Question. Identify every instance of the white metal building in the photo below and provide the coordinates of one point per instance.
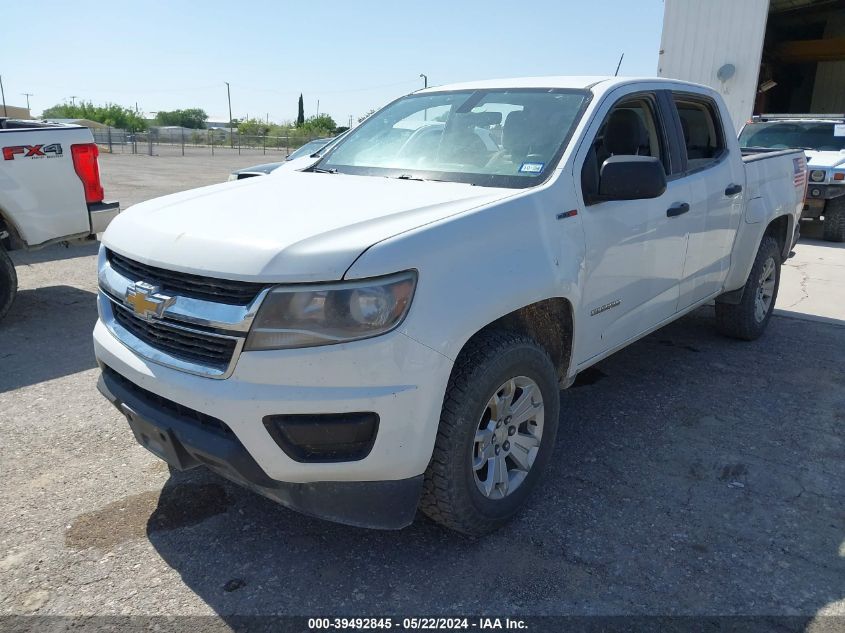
(784, 56)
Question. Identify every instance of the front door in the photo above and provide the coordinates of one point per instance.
(635, 248)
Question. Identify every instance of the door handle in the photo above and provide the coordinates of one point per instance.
(732, 190)
(677, 209)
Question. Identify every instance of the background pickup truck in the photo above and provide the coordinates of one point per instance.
(50, 192)
(392, 332)
(822, 137)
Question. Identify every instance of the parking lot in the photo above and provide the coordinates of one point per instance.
(693, 475)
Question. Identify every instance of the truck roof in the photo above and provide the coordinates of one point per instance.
(815, 118)
(578, 82)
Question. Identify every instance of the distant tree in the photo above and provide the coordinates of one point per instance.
(253, 127)
(341, 129)
(300, 117)
(193, 118)
(108, 114)
(319, 125)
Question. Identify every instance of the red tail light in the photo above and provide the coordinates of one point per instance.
(88, 170)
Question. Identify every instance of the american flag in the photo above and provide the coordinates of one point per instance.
(799, 169)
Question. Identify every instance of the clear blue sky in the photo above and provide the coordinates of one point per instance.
(352, 56)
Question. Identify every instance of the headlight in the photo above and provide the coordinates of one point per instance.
(324, 314)
(817, 175)
(233, 176)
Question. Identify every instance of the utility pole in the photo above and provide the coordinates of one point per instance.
(229, 96)
(27, 95)
(3, 94)
(73, 100)
(318, 107)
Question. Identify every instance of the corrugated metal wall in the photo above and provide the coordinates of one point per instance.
(699, 37)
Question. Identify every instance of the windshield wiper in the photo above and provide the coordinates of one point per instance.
(408, 177)
(321, 170)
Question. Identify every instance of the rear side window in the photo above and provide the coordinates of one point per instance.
(703, 135)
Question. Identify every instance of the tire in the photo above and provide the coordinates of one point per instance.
(747, 320)
(504, 367)
(834, 220)
(8, 282)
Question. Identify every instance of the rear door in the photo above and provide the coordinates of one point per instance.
(635, 248)
(715, 177)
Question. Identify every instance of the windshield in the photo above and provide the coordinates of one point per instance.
(814, 135)
(310, 147)
(496, 138)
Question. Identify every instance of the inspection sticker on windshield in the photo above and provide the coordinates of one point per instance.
(839, 129)
(531, 168)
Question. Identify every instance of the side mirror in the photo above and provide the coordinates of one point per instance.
(631, 178)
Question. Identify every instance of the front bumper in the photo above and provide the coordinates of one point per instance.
(392, 375)
(183, 444)
(101, 214)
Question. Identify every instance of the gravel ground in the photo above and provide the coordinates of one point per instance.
(696, 475)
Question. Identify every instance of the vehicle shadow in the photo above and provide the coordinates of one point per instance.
(46, 335)
(692, 475)
(54, 253)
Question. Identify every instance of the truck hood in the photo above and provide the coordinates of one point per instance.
(821, 160)
(292, 227)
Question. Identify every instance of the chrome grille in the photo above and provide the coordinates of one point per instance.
(185, 284)
(190, 345)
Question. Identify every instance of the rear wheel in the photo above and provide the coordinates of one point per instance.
(497, 431)
(748, 319)
(8, 282)
(834, 220)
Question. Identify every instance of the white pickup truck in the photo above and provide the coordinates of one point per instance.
(50, 192)
(388, 329)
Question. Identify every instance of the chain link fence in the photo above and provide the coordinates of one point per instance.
(175, 140)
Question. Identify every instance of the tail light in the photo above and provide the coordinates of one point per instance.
(87, 168)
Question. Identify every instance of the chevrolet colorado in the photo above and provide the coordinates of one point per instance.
(50, 192)
(388, 328)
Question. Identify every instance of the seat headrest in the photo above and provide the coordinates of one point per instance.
(516, 132)
(625, 133)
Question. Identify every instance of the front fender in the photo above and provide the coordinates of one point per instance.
(481, 265)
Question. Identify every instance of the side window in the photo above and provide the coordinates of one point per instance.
(630, 128)
(703, 136)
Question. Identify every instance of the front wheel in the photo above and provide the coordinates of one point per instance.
(8, 282)
(497, 431)
(748, 319)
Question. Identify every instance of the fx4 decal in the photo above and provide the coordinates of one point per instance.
(32, 151)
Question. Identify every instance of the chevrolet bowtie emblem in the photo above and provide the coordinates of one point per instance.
(146, 300)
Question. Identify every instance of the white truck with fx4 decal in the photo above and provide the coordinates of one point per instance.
(50, 192)
(388, 328)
